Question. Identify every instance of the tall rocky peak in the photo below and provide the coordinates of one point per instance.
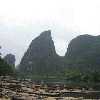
(41, 57)
(82, 44)
(84, 52)
(46, 34)
(43, 45)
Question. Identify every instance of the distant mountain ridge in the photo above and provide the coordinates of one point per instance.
(10, 59)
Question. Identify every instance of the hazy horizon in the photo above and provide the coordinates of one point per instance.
(23, 20)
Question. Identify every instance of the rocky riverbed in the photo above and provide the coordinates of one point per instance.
(16, 89)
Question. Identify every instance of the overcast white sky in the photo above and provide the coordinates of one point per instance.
(23, 20)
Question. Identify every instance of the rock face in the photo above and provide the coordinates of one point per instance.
(41, 58)
(84, 53)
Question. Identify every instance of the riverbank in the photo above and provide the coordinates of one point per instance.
(15, 89)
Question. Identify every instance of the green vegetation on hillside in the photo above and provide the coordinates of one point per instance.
(6, 69)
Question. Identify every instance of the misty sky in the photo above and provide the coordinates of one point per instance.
(23, 20)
